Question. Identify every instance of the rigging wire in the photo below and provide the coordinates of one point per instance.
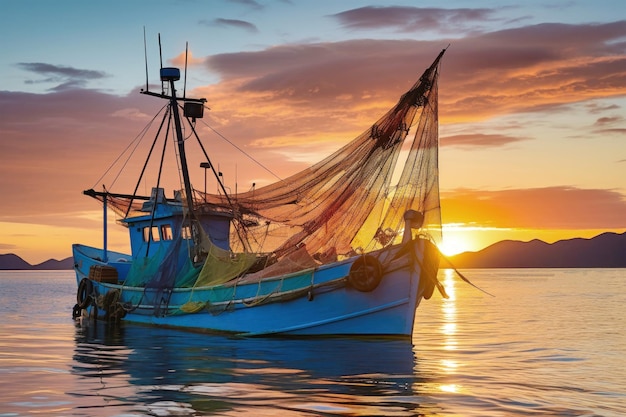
(241, 234)
(242, 151)
(137, 140)
(154, 206)
(143, 170)
(181, 180)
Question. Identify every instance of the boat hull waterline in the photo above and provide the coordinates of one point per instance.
(317, 301)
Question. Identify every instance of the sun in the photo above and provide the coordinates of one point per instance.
(452, 245)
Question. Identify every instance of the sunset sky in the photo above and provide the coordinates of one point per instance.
(532, 104)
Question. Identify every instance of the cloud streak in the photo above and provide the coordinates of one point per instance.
(235, 23)
(251, 4)
(479, 140)
(66, 77)
(413, 19)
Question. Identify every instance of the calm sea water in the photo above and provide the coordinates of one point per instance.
(551, 343)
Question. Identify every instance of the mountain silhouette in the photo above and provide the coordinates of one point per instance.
(607, 250)
(12, 261)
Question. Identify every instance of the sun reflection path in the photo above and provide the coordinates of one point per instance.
(449, 283)
(448, 307)
(449, 329)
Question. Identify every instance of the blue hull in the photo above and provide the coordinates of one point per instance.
(317, 301)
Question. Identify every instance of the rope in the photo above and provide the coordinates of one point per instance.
(260, 300)
(138, 140)
(242, 151)
(463, 277)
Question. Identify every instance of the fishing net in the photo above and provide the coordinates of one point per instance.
(182, 264)
(346, 203)
(351, 202)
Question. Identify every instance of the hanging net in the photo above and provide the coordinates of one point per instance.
(346, 203)
(351, 202)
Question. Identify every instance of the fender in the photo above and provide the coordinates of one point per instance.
(365, 273)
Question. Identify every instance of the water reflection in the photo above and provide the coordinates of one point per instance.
(449, 312)
(167, 372)
(524, 352)
(449, 329)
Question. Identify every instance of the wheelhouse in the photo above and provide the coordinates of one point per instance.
(164, 219)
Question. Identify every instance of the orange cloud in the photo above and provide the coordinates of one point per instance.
(528, 69)
(536, 208)
(180, 59)
(479, 139)
(55, 145)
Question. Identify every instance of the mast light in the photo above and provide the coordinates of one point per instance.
(193, 110)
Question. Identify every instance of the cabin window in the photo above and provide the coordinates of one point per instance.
(166, 232)
(151, 233)
(186, 232)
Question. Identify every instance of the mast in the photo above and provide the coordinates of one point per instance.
(170, 75)
(193, 108)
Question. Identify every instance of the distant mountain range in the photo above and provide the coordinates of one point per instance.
(12, 261)
(607, 250)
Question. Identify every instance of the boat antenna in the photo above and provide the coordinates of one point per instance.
(161, 59)
(145, 55)
(185, 81)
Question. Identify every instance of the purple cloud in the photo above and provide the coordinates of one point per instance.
(409, 19)
(239, 24)
(67, 77)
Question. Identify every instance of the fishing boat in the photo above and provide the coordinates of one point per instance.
(347, 246)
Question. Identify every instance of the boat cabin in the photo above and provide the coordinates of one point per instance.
(163, 220)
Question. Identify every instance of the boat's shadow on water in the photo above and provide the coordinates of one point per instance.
(164, 372)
